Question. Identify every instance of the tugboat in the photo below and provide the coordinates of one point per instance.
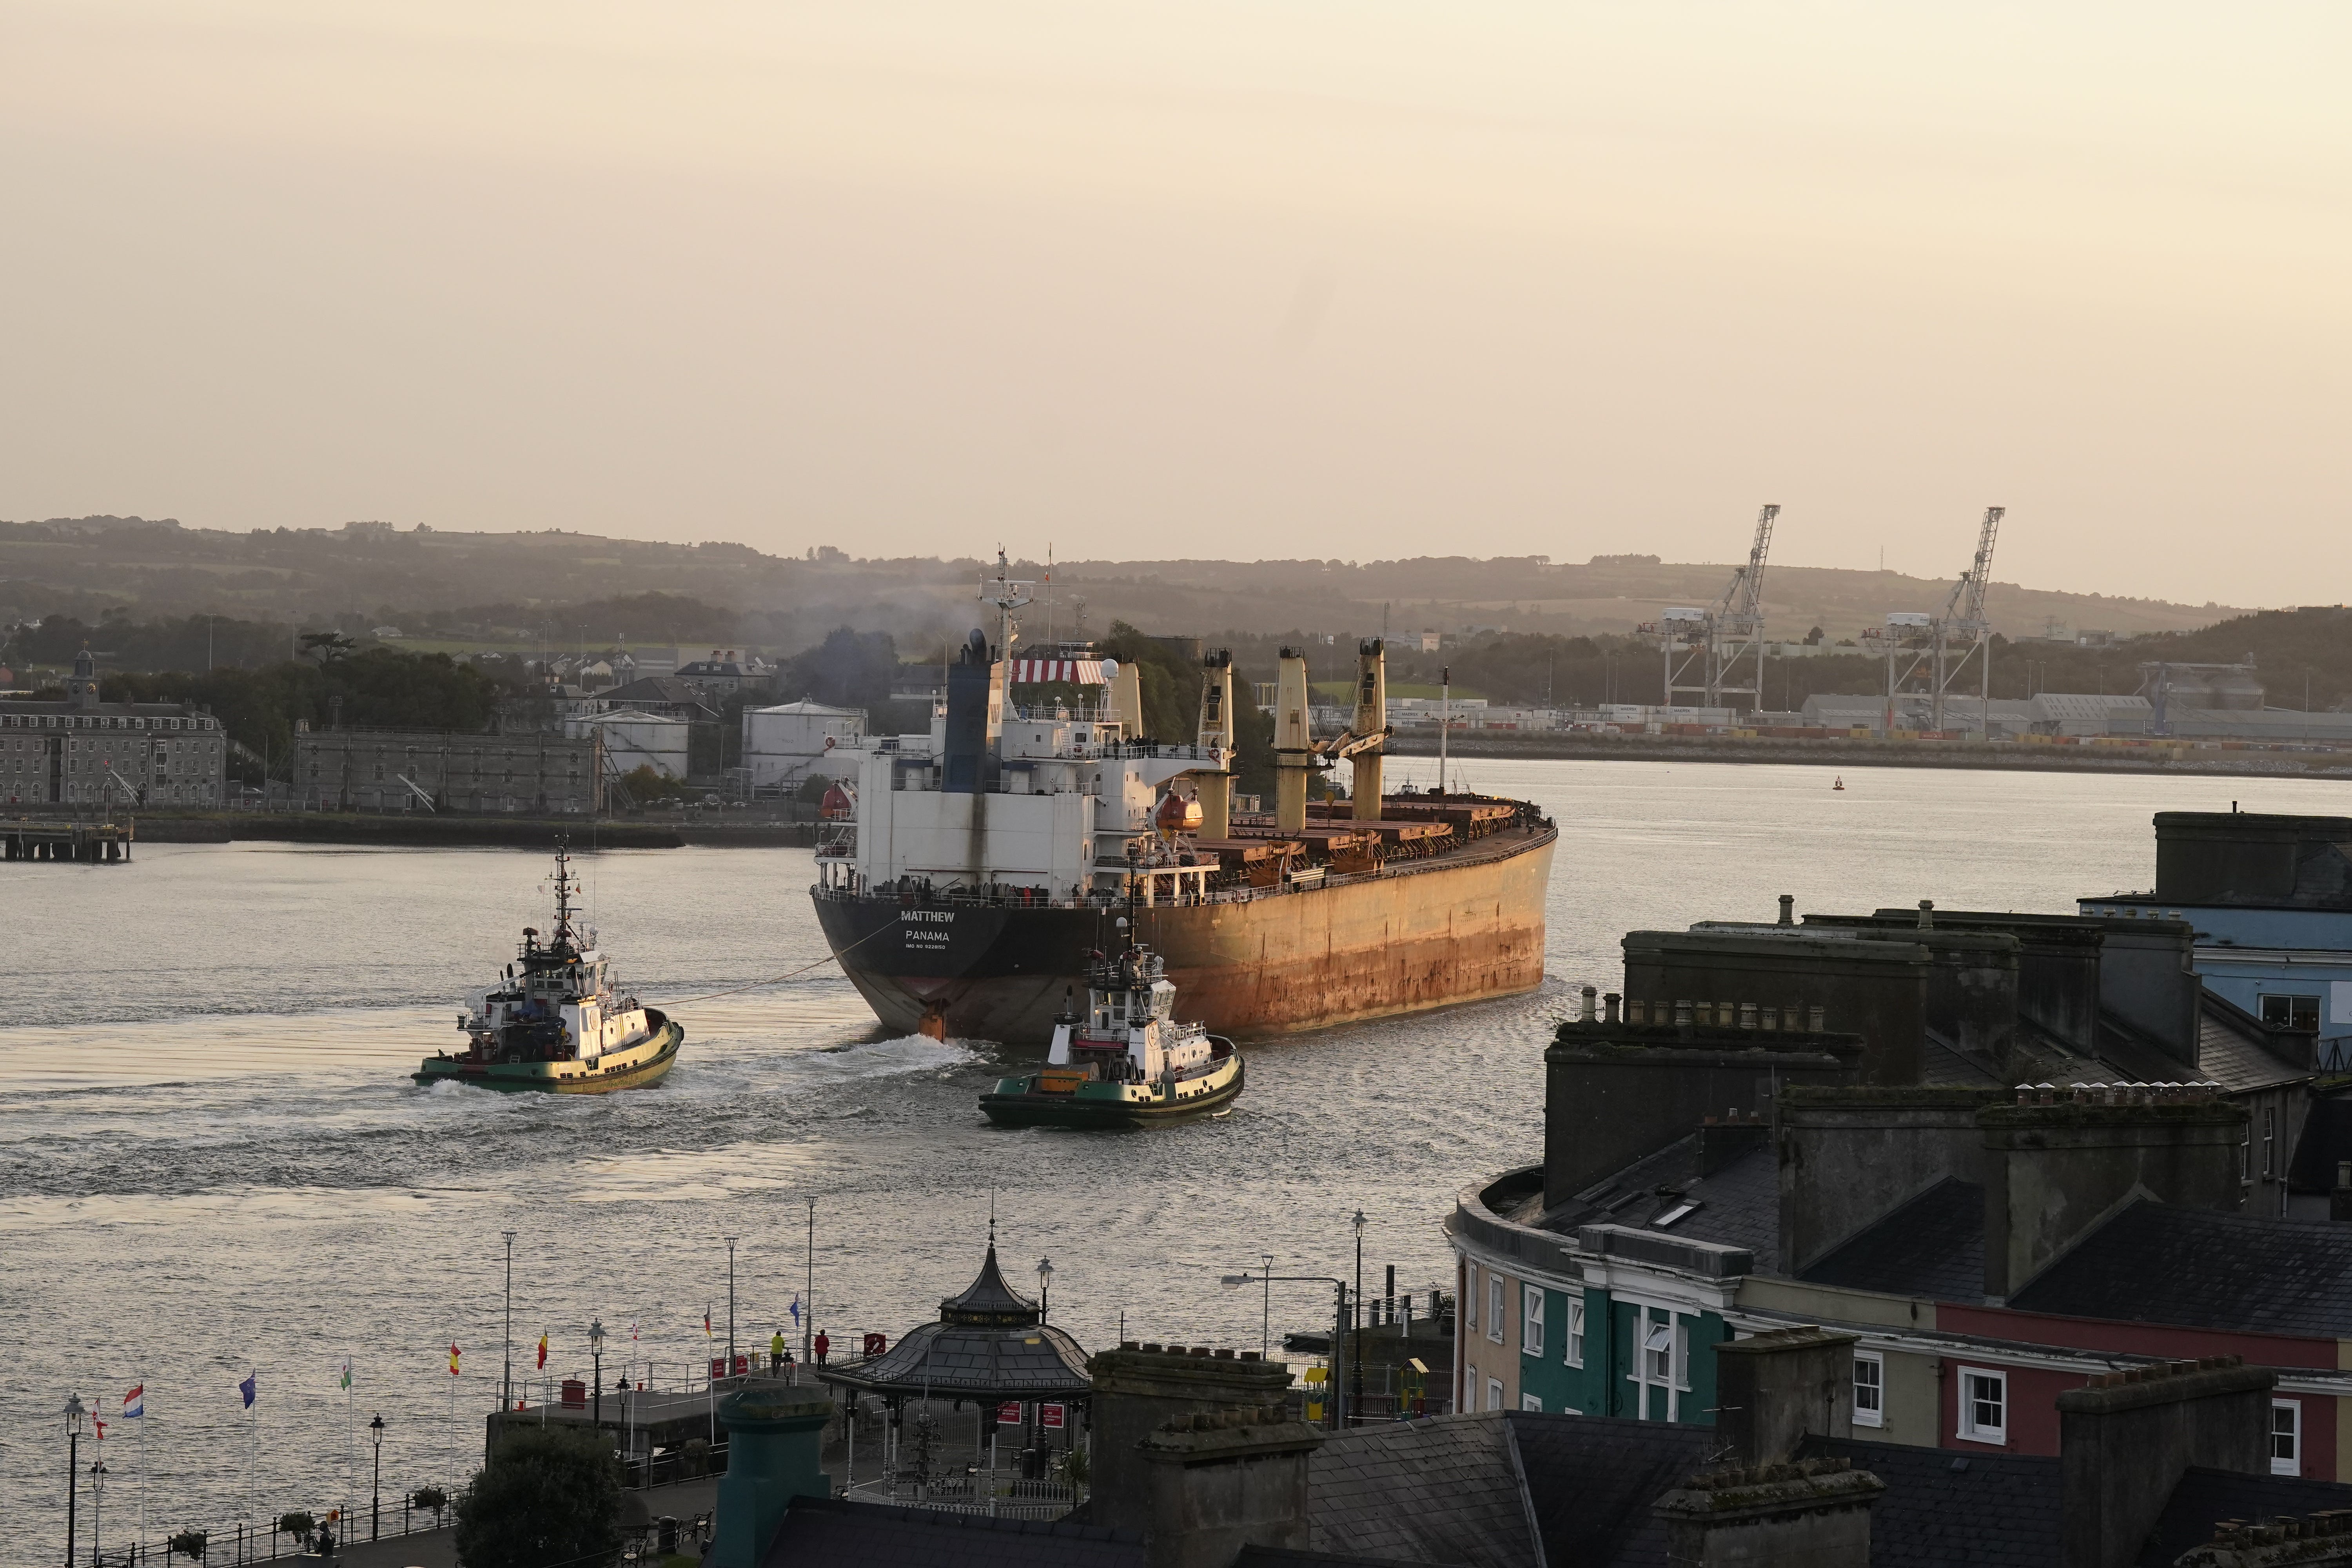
(1126, 1061)
(556, 1022)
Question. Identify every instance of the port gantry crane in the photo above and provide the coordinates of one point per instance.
(1718, 641)
(1963, 625)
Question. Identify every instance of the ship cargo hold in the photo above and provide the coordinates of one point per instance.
(966, 884)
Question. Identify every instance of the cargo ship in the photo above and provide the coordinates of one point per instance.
(964, 881)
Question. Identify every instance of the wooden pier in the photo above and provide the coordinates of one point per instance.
(95, 843)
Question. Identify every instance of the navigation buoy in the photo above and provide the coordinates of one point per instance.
(1839, 783)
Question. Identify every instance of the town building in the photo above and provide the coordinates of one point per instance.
(1198, 1463)
(724, 675)
(2269, 898)
(85, 751)
(431, 769)
(2001, 1151)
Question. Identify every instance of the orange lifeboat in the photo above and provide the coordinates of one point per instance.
(1177, 814)
(838, 805)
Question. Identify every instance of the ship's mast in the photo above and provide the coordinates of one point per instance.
(563, 935)
(1008, 594)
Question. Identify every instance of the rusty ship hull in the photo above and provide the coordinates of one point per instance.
(1462, 927)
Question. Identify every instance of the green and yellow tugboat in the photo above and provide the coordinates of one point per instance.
(556, 1021)
(1126, 1061)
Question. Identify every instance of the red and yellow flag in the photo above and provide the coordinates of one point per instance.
(453, 1358)
(542, 1347)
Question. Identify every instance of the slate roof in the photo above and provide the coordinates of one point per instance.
(988, 1299)
(1943, 1065)
(1931, 1246)
(2204, 1497)
(876, 1535)
(2233, 1049)
(1738, 1205)
(1440, 1491)
(2157, 1264)
(1943, 1510)
(1281, 1557)
(1591, 1480)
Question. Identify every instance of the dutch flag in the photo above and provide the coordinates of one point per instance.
(134, 1404)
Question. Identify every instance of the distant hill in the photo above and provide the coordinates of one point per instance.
(557, 588)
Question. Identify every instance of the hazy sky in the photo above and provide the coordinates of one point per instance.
(1249, 279)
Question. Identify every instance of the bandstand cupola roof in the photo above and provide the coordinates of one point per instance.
(990, 1341)
(988, 1300)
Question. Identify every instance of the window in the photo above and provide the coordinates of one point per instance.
(1529, 1402)
(2291, 1011)
(1984, 1406)
(2287, 1436)
(2270, 1142)
(1869, 1389)
(1658, 1353)
(1495, 1306)
(1575, 1332)
(1470, 1301)
(1531, 1341)
(1494, 1393)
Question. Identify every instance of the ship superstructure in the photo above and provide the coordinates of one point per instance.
(977, 858)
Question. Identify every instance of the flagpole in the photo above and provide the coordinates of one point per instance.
(140, 1457)
(347, 1435)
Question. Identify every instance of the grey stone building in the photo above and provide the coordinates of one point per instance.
(417, 770)
(83, 751)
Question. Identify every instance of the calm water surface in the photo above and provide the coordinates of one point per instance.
(213, 1163)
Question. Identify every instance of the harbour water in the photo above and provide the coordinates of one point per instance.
(211, 1162)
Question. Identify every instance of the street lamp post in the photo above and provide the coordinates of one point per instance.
(1356, 1327)
(375, 1497)
(808, 1296)
(596, 1355)
(731, 1306)
(97, 1502)
(1265, 1306)
(1044, 1287)
(75, 1415)
(1339, 1319)
(505, 1379)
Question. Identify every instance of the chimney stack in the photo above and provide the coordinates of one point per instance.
(1217, 1483)
(773, 1442)
(1773, 1390)
(1788, 909)
(1816, 1513)
(2125, 1439)
(1137, 1392)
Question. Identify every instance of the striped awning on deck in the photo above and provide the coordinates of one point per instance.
(1077, 671)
